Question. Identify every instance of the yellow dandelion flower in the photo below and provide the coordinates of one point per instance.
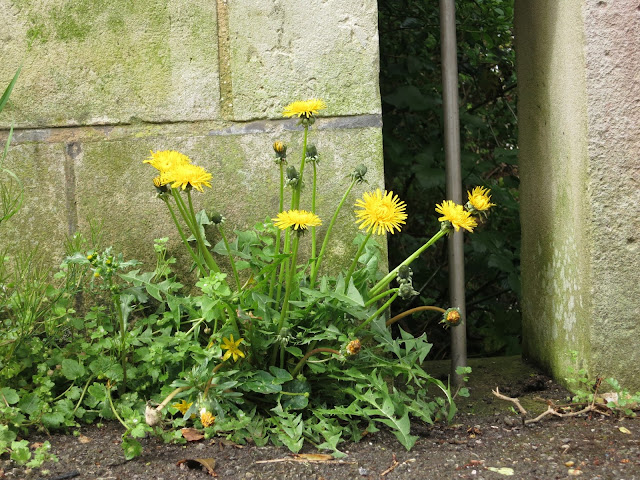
(380, 212)
(305, 108)
(206, 418)
(165, 160)
(456, 215)
(231, 348)
(187, 176)
(298, 219)
(479, 199)
(183, 406)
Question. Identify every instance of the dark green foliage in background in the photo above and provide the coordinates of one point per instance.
(415, 165)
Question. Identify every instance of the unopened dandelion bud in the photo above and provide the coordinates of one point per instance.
(312, 153)
(404, 274)
(216, 218)
(293, 177)
(161, 188)
(406, 291)
(359, 173)
(281, 152)
(353, 347)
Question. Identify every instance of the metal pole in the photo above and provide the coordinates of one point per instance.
(454, 178)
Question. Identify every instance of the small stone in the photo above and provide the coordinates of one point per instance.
(363, 471)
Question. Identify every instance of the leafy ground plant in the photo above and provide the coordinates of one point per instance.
(274, 350)
(292, 354)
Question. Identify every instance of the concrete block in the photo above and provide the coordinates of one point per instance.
(280, 52)
(92, 62)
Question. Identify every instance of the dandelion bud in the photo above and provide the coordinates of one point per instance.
(293, 177)
(404, 274)
(281, 152)
(312, 153)
(216, 218)
(359, 173)
(353, 347)
(406, 291)
(451, 317)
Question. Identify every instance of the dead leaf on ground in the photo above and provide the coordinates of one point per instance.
(223, 442)
(624, 430)
(191, 434)
(35, 445)
(84, 439)
(502, 471)
(207, 464)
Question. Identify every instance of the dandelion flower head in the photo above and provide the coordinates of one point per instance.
(479, 199)
(305, 108)
(456, 215)
(165, 160)
(380, 212)
(298, 219)
(187, 175)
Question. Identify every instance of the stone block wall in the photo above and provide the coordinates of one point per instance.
(579, 127)
(104, 82)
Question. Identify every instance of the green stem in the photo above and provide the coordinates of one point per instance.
(84, 391)
(175, 192)
(279, 235)
(295, 204)
(392, 274)
(211, 263)
(355, 259)
(304, 359)
(233, 263)
(313, 210)
(123, 352)
(377, 314)
(287, 293)
(194, 257)
(380, 296)
(113, 408)
(325, 242)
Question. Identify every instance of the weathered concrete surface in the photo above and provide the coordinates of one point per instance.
(579, 124)
(107, 62)
(103, 83)
(326, 48)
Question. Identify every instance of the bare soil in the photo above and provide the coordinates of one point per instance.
(485, 436)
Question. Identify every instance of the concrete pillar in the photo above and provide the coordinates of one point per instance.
(579, 137)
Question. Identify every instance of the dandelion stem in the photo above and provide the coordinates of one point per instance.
(310, 353)
(406, 313)
(278, 236)
(233, 263)
(295, 204)
(313, 210)
(211, 263)
(394, 273)
(287, 293)
(379, 312)
(355, 259)
(325, 242)
(380, 296)
(194, 257)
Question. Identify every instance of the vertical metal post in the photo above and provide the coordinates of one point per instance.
(454, 178)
